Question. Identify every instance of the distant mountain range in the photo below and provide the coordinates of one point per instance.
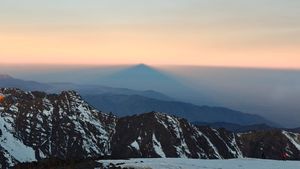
(123, 101)
(124, 105)
(11, 82)
(35, 126)
(238, 128)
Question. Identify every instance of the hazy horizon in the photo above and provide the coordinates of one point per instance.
(272, 93)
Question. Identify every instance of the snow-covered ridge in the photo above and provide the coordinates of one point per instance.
(157, 147)
(12, 146)
(157, 134)
(173, 124)
(36, 125)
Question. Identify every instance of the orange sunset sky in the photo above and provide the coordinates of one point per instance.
(253, 33)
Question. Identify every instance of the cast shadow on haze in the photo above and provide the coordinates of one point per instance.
(272, 93)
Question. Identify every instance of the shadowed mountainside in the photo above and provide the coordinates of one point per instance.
(123, 105)
(123, 101)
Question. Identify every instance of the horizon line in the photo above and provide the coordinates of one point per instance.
(150, 65)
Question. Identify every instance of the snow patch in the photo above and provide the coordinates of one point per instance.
(235, 145)
(236, 151)
(135, 145)
(14, 146)
(293, 138)
(216, 152)
(157, 147)
(173, 125)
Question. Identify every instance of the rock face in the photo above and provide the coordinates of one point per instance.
(160, 135)
(275, 144)
(36, 125)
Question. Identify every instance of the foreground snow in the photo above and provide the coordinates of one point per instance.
(175, 163)
(14, 149)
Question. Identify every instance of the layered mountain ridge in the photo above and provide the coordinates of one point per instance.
(126, 102)
(36, 126)
(126, 105)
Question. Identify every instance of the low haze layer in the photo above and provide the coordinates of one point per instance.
(272, 93)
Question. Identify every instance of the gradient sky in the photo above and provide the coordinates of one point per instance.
(252, 33)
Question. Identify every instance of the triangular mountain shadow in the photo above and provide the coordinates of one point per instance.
(140, 77)
(144, 77)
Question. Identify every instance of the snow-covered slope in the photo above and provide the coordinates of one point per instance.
(12, 146)
(161, 135)
(173, 163)
(294, 138)
(35, 125)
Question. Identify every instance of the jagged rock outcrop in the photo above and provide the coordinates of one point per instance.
(273, 144)
(36, 125)
(161, 135)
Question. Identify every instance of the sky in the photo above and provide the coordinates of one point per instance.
(253, 33)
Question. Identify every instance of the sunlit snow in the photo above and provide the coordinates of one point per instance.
(183, 163)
